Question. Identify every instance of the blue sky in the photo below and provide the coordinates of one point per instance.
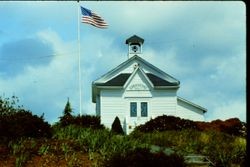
(202, 44)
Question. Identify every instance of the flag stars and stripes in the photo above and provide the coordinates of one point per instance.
(92, 18)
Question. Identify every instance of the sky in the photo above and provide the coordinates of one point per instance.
(200, 43)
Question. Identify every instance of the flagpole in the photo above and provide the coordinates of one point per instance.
(79, 60)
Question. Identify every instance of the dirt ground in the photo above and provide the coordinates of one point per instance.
(49, 160)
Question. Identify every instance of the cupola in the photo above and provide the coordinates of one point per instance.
(134, 46)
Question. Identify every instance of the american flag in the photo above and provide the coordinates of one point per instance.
(92, 18)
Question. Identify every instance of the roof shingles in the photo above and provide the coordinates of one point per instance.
(121, 79)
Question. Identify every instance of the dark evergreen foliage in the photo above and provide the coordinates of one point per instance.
(116, 126)
(67, 118)
(16, 122)
(85, 121)
(88, 121)
(67, 110)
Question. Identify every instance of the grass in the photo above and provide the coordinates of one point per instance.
(71, 144)
(221, 148)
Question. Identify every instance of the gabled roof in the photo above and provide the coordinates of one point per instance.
(106, 77)
(121, 79)
(157, 81)
(116, 79)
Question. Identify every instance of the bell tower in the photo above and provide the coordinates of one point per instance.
(134, 46)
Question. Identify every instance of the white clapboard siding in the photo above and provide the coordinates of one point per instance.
(187, 111)
(140, 93)
(112, 105)
(98, 106)
(163, 103)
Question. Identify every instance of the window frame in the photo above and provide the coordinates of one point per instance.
(143, 113)
(133, 113)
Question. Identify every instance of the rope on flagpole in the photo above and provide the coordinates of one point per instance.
(79, 60)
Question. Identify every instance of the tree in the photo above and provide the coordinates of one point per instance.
(9, 105)
(67, 110)
(67, 118)
(17, 122)
(116, 126)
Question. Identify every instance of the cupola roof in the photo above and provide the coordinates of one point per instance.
(135, 39)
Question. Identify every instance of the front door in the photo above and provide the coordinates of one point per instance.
(137, 113)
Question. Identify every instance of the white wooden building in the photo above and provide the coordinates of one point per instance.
(136, 91)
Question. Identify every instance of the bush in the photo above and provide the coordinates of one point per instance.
(116, 126)
(163, 123)
(224, 149)
(85, 121)
(16, 122)
(88, 121)
(232, 126)
(141, 157)
(221, 148)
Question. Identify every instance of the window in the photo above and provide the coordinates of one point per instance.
(144, 109)
(133, 109)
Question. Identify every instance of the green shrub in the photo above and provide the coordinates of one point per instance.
(221, 148)
(142, 157)
(232, 126)
(88, 121)
(116, 126)
(118, 144)
(224, 149)
(16, 122)
(66, 120)
(23, 124)
(85, 121)
(155, 138)
(163, 123)
(87, 138)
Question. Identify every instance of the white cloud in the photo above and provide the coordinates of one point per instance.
(227, 72)
(219, 104)
(219, 86)
(44, 89)
(229, 109)
(167, 60)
